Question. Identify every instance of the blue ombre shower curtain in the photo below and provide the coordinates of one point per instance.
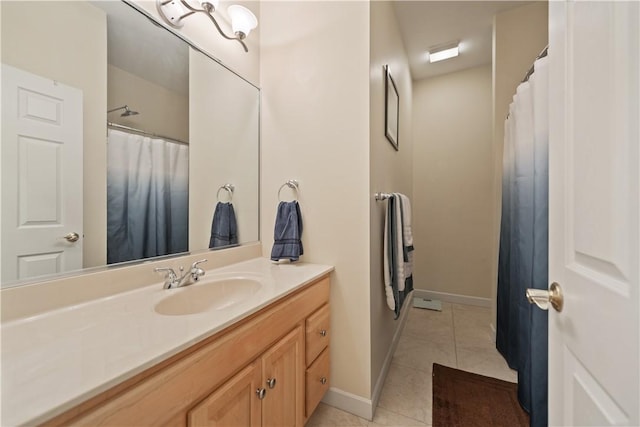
(147, 197)
(521, 333)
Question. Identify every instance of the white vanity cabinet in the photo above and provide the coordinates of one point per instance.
(265, 370)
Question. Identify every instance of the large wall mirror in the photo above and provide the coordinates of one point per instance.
(121, 142)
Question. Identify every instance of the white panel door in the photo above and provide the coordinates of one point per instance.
(41, 175)
(594, 232)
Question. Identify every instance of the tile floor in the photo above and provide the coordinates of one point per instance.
(459, 336)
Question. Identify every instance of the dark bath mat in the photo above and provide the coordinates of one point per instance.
(462, 398)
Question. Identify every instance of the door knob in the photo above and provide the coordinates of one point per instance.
(72, 237)
(261, 393)
(271, 382)
(542, 298)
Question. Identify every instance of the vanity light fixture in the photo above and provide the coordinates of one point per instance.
(174, 12)
(442, 52)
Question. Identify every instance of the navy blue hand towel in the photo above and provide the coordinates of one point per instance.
(288, 232)
(224, 229)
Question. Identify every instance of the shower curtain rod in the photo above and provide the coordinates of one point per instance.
(530, 72)
(145, 133)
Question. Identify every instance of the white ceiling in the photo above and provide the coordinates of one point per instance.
(425, 24)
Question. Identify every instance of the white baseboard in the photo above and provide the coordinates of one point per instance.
(349, 402)
(377, 389)
(360, 406)
(453, 298)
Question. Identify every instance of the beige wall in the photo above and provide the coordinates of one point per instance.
(162, 111)
(519, 35)
(219, 153)
(36, 37)
(453, 176)
(389, 170)
(315, 128)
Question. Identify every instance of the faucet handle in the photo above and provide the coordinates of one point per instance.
(170, 276)
(170, 273)
(195, 264)
(196, 271)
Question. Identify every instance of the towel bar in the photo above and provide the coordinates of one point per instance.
(383, 196)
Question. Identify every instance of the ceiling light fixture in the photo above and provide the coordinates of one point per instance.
(242, 19)
(440, 53)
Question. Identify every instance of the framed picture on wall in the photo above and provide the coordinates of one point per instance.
(391, 109)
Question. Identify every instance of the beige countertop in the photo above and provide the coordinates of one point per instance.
(54, 361)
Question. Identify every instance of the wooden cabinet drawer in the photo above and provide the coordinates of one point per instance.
(317, 333)
(316, 381)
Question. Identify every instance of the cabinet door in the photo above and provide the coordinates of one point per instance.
(282, 368)
(235, 404)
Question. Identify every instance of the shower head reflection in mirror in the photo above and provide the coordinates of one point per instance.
(127, 111)
(170, 98)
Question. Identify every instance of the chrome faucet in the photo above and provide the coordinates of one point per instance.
(171, 279)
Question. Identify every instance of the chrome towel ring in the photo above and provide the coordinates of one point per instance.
(229, 188)
(292, 184)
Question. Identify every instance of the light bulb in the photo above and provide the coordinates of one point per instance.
(242, 20)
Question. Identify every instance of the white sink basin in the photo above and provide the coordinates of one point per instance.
(215, 294)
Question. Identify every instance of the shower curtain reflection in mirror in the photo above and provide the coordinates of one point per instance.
(147, 197)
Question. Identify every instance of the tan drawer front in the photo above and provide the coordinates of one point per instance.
(317, 381)
(317, 331)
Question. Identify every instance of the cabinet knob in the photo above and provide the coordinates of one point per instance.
(323, 332)
(261, 393)
(271, 382)
(323, 380)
